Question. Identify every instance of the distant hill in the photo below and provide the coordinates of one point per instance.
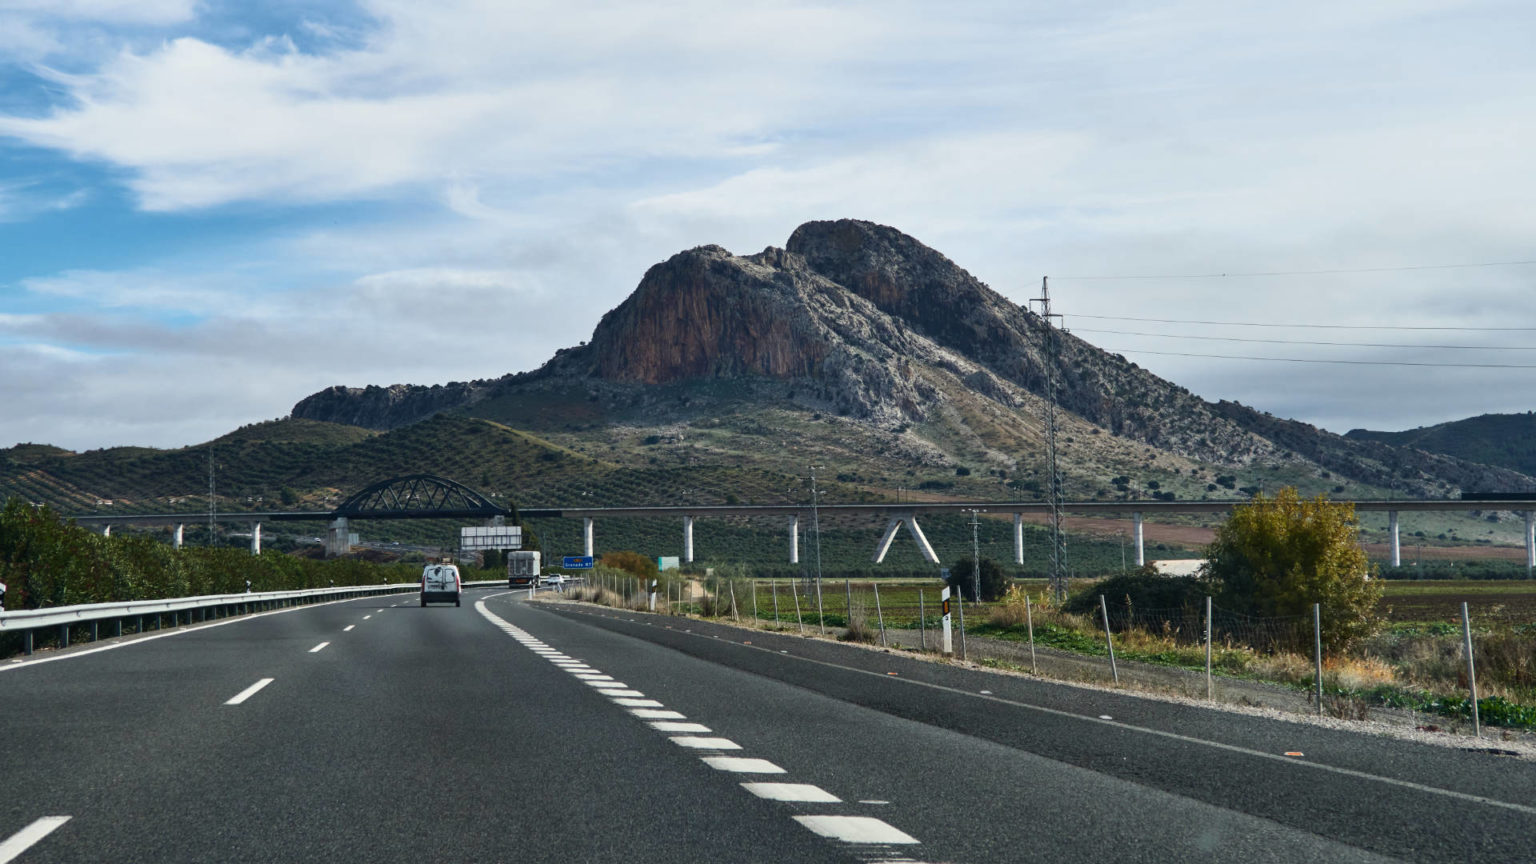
(1506, 440)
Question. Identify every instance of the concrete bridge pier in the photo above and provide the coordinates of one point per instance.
(794, 539)
(255, 538)
(687, 539)
(1397, 544)
(586, 536)
(910, 520)
(338, 539)
(1140, 536)
(177, 535)
(1530, 542)
(1018, 539)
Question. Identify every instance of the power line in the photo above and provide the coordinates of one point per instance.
(1342, 362)
(1304, 272)
(1309, 326)
(1311, 342)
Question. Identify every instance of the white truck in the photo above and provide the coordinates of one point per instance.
(523, 569)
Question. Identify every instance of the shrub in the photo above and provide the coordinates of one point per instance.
(631, 562)
(1145, 590)
(994, 582)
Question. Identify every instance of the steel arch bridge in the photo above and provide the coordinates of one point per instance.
(420, 496)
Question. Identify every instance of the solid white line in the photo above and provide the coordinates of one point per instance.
(803, 792)
(27, 837)
(319, 647)
(673, 726)
(348, 628)
(742, 765)
(250, 691)
(698, 743)
(855, 829)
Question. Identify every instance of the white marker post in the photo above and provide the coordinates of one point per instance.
(653, 595)
(949, 645)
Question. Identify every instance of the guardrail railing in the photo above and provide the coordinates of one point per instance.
(200, 608)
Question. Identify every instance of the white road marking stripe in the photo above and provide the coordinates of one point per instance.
(673, 726)
(348, 628)
(855, 829)
(27, 837)
(804, 792)
(592, 676)
(698, 743)
(319, 647)
(742, 765)
(610, 684)
(637, 703)
(632, 694)
(657, 714)
(250, 691)
(366, 617)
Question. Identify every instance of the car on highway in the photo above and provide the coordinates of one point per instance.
(440, 583)
(556, 581)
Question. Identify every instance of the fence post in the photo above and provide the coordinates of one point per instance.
(879, 615)
(1029, 619)
(774, 587)
(922, 623)
(1317, 651)
(734, 616)
(752, 583)
(848, 602)
(1466, 635)
(793, 594)
(1114, 670)
(821, 609)
(961, 606)
(1208, 646)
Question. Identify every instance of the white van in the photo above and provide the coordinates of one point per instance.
(440, 584)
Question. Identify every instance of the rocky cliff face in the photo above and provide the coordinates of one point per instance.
(872, 323)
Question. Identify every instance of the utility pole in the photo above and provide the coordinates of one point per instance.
(1058, 538)
(975, 557)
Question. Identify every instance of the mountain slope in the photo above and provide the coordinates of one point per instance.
(1506, 440)
(864, 322)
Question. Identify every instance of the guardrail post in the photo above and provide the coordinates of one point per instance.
(95, 633)
(26, 642)
(117, 627)
(63, 635)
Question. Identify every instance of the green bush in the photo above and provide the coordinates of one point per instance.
(994, 582)
(1144, 590)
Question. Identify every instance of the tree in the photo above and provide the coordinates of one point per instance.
(994, 582)
(1277, 556)
(631, 562)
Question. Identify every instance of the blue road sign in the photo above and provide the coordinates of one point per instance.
(577, 562)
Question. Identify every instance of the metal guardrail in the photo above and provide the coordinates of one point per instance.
(199, 608)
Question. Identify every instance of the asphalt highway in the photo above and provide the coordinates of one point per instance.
(505, 730)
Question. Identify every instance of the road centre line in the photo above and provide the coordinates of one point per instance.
(797, 792)
(318, 648)
(348, 628)
(29, 836)
(250, 691)
(855, 829)
(1232, 748)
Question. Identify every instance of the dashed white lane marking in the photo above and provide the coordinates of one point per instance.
(699, 743)
(674, 726)
(27, 837)
(657, 714)
(250, 691)
(799, 792)
(867, 831)
(743, 765)
(366, 617)
(320, 647)
(348, 628)
(855, 829)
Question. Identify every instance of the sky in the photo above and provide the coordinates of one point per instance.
(210, 210)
